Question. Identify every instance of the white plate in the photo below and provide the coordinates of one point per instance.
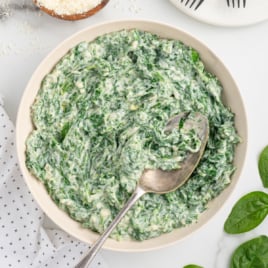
(217, 12)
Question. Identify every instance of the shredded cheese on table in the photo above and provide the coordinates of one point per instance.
(69, 7)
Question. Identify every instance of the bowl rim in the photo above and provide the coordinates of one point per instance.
(87, 235)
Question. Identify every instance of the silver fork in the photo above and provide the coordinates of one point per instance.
(192, 3)
(236, 3)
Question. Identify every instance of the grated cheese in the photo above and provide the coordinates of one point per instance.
(69, 7)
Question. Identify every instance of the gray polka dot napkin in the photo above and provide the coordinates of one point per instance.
(24, 240)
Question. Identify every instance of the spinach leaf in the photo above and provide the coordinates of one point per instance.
(251, 254)
(247, 213)
(195, 56)
(192, 266)
(263, 166)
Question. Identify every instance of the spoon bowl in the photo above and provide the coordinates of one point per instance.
(164, 181)
(157, 180)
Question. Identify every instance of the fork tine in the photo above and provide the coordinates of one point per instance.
(192, 3)
(236, 3)
(200, 2)
(187, 2)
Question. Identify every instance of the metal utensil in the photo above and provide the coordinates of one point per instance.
(157, 180)
(192, 3)
(236, 3)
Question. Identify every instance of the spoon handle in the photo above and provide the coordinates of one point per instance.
(89, 256)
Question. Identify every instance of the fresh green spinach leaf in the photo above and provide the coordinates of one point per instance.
(195, 56)
(247, 213)
(251, 254)
(263, 166)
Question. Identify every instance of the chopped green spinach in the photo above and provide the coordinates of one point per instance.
(99, 118)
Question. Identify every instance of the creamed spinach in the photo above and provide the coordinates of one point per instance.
(99, 120)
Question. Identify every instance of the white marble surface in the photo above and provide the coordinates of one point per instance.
(27, 35)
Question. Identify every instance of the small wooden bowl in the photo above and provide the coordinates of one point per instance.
(72, 16)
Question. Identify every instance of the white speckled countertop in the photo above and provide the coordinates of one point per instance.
(27, 35)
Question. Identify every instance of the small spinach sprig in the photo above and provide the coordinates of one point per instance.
(263, 166)
(251, 209)
(247, 213)
(252, 253)
(192, 266)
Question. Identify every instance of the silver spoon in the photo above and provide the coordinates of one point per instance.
(157, 180)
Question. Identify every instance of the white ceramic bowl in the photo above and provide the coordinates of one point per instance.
(231, 98)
